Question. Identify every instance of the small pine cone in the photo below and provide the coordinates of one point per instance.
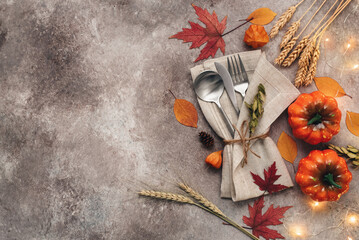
(206, 139)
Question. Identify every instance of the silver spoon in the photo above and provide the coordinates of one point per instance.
(209, 87)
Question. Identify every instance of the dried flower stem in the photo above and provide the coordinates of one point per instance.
(183, 199)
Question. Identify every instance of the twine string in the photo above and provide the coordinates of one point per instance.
(245, 141)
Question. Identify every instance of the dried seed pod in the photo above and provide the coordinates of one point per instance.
(215, 159)
(256, 36)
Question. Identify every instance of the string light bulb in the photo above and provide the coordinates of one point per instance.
(297, 231)
(327, 39)
(352, 219)
(356, 66)
(349, 238)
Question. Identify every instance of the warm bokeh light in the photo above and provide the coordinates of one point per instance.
(349, 238)
(327, 39)
(348, 46)
(356, 66)
(297, 231)
(352, 219)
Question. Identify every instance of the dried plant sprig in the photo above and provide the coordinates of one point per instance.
(166, 196)
(284, 53)
(350, 152)
(296, 52)
(283, 20)
(290, 34)
(256, 108)
(200, 198)
(183, 199)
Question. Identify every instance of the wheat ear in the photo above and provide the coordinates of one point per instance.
(200, 198)
(296, 52)
(284, 53)
(307, 54)
(166, 196)
(304, 62)
(282, 21)
(289, 34)
(300, 76)
(313, 67)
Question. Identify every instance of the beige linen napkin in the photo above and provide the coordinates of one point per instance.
(237, 182)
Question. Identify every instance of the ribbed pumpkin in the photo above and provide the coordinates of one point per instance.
(256, 36)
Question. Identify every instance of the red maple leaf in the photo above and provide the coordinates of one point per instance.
(199, 35)
(267, 184)
(259, 222)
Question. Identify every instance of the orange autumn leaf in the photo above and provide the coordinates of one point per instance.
(287, 147)
(352, 122)
(215, 159)
(329, 87)
(261, 16)
(185, 113)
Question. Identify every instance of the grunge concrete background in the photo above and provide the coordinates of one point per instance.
(86, 121)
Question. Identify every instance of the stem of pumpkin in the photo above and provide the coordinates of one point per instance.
(329, 179)
(316, 119)
(247, 21)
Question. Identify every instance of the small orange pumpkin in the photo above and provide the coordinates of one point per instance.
(256, 36)
(215, 159)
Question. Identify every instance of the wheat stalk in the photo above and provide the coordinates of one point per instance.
(289, 34)
(307, 54)
(300, 75)
(284, 53)
(200, 198)
(304, 62)
(282, 21)
(313, 67)
(183, 199)
(166, 196)
(296, 52)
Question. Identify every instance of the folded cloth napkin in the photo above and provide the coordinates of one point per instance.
(237, 181)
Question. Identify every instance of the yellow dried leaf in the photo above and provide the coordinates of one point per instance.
(185, 113)
(352, 122)
(261, 16)
(287, 147)
(329, 87)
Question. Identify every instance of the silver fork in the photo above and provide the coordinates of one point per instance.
(238, 74)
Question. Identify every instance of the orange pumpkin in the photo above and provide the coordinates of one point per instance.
(256, 36)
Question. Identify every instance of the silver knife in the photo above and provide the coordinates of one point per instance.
(228, 84)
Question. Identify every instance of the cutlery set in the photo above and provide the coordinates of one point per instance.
(209, 85)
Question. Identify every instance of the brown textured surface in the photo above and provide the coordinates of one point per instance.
(86, 121)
